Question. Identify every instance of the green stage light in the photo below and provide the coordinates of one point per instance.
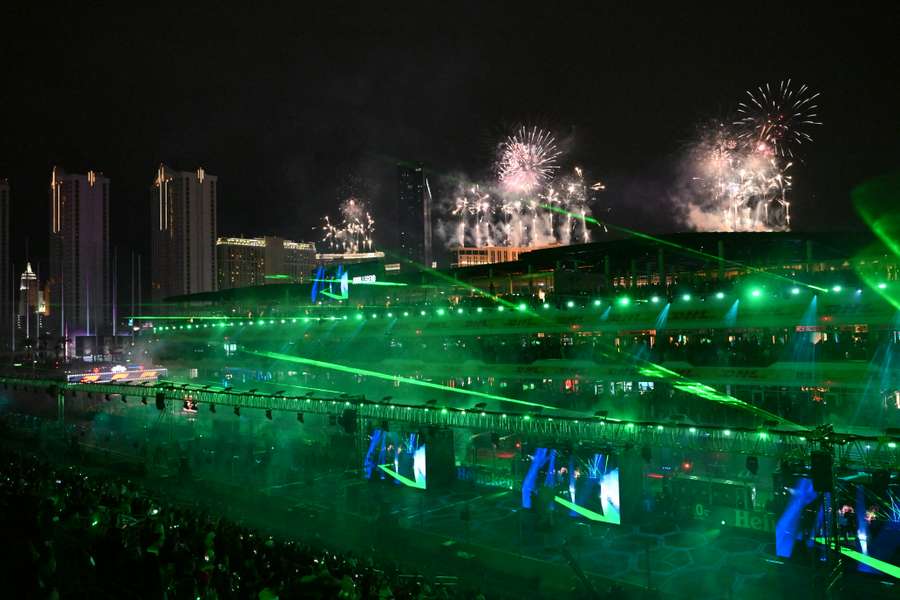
(597, 302)
(546, 306)
(795, 291)
(624, 301)
(659, 427)
(441, 312)
(479, 309)
(726, 432)
(763, 435)
(293, 320)
(654, 299)
(523, 306)
(459, 311)
(390, 315)
(756, 293)
(271, 322)
(374, 315)
(686, 297)
(405, 313)
(882, 286)
(499, 309)
(306, 319)
(359, 316)
(720, 295)
(836, 288)
(892, 444)
(693, 430)
(282, 321)
(422, 312)
(570, 304)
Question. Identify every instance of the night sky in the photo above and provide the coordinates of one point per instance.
(291, 107)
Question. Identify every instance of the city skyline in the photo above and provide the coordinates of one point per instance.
(287, 119)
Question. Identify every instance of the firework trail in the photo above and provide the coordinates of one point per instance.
(473, 209)
(490, 215)
(355, 230)
(527, 160)
(570, 194)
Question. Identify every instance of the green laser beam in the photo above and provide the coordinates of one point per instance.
(404, 480)
(454, 281)
(701, 390)
(341, 296)
(593, 516)
(879, 565)
(379, 375)
(679, 247)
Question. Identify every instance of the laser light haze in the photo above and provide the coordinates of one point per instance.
(738, 172)
(511, 209)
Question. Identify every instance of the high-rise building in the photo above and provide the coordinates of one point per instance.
(414, 214)
(79, 254)
(244, 262)
(32, 306)
(183, 233)
(6, 300)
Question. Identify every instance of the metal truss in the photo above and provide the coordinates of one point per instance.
(850, 449)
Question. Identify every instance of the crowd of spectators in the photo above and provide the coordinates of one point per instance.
(74, 535)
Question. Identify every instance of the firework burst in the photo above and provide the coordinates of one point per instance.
(527, 160)
(355, 230)
(775, 120)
